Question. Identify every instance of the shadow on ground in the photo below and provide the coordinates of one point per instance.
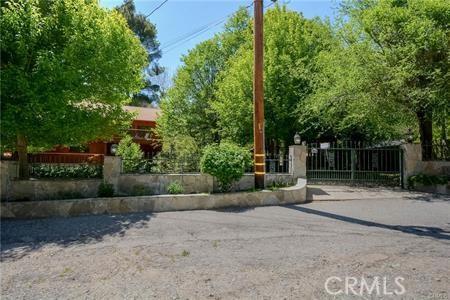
(234, 209)
(20, 237)
(353, 192)
(433, 232)
(429, 197)
(311, 191)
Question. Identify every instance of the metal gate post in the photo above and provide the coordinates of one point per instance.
(402, 181)
(353, 163)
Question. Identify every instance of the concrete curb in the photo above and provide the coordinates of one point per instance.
(159, 203)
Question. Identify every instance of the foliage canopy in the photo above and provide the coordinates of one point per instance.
(381, 68)
(67, 69)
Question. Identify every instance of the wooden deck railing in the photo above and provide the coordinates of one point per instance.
(66, 158)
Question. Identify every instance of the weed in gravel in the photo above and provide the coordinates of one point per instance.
(65, 271)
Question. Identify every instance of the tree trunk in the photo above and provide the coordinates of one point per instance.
(426, 133)
(24, 172)
(444, 131)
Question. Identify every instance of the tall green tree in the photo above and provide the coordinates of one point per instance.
(187, 106)
(397, 59)
(146, 32)
(340, 106)
(67, 68)
(291, 43)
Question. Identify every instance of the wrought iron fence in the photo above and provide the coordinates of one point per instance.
(161, 165)
(166, 165)
(354, 162)
(64, 165)
(436, 151)
(275, 164)
(64, 158)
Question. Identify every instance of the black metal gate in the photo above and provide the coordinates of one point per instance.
(354, 163)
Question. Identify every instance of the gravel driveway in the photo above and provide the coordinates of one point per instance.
(263, 253)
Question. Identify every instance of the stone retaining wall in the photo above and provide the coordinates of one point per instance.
(156, 184)
(52, 189)
(118, 205)
(413, 164)
(13, 189)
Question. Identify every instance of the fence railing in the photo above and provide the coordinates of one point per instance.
(436, 151)
(275, 164)
(142, 134)
(64, 165)
(159, 165)
(66, 158)
(357, 164)
(278, 163)
(163, 165)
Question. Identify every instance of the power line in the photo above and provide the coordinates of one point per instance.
(187, 37)
(173, 44)
(190, 37)
(158, 7)
(271, 3)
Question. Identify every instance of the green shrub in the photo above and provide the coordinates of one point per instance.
(131, 155)
(66, 171)
(226, 162)
(277, 184)
(179, 154)
(175, 188)
(105, 189)
(427, 180)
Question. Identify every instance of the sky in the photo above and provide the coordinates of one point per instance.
(176, 18)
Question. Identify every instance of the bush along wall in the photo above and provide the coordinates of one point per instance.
(427, 180)
(226, 162)
(67, 171)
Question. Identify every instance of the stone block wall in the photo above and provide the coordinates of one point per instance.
(53, 189)
(413, 164)
(13, 189)
(156, 184)
(159, 203)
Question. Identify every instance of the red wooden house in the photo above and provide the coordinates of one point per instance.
(142, 131)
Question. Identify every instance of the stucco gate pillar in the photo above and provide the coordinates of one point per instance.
(412, 161)
(112, 166)
(297, 163)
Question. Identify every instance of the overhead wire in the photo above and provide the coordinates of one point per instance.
(187, 37)
(158, 7)
(175, 43)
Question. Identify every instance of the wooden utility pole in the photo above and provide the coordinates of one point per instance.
(258, 96)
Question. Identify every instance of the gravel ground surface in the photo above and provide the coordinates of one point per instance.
(263, 253)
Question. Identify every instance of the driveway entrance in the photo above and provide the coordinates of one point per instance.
(354, 163)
